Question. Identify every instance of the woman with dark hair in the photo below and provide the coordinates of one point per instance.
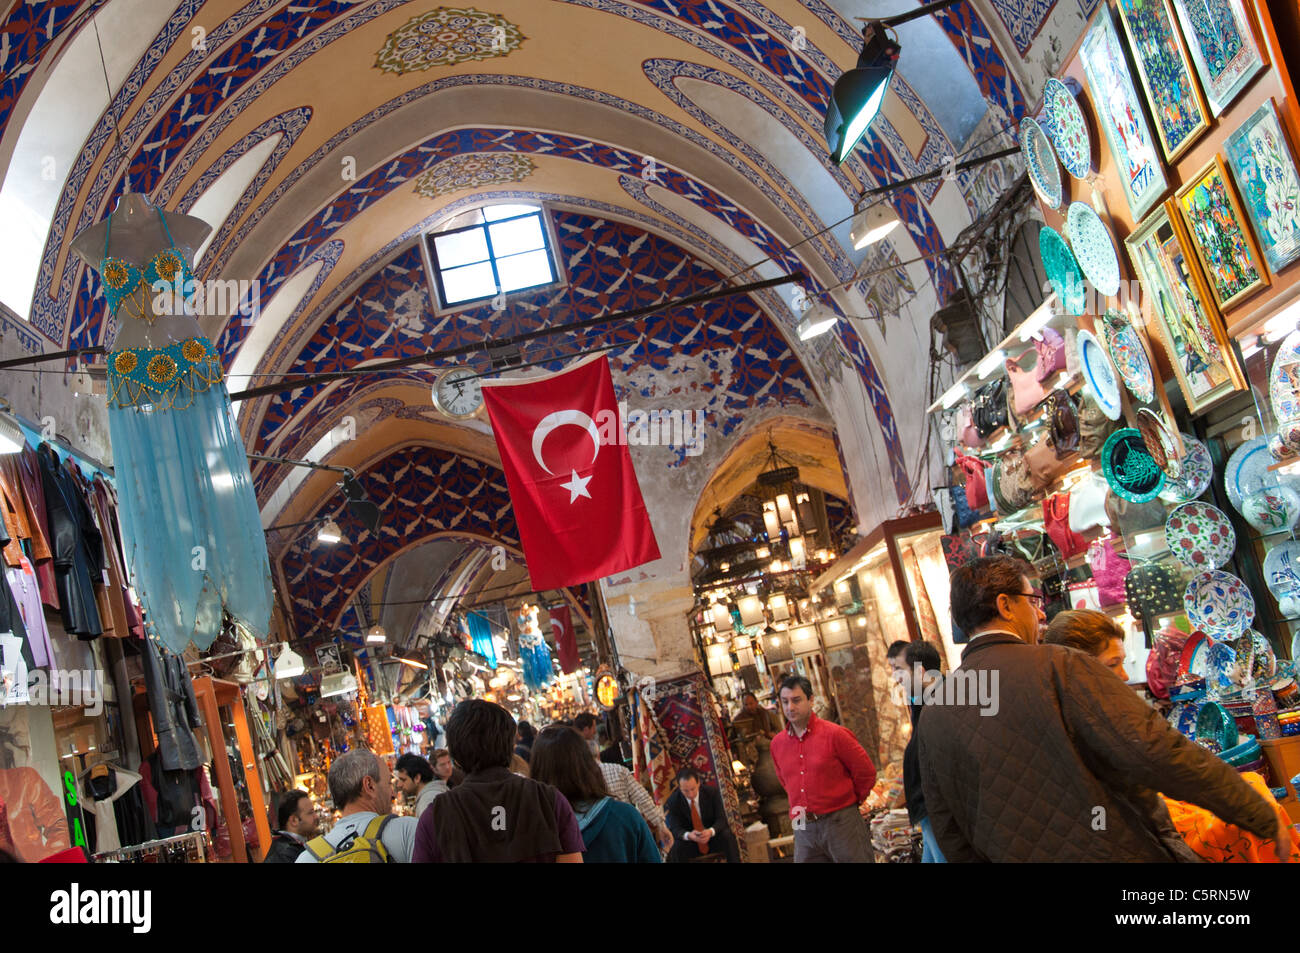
(524, 738)
(613, 831)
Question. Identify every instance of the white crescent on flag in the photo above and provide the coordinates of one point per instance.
(561, 418)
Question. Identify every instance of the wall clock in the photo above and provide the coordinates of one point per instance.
(457, 393)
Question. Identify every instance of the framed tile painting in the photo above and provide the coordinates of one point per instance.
(1119, 113)
(1217, 228)
(1263, 168)
(1175, 101)
(1177, 303)
(1222, 46)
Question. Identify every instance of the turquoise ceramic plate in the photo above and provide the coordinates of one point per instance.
(1062, 271)
(1129, 467)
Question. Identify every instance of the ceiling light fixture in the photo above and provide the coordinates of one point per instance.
(289, 664)
(817, 321)
(872, 224)
(376, 634)
(413, 663)
(330, 533)
(11, 435)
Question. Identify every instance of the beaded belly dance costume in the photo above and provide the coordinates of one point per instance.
(189, 513)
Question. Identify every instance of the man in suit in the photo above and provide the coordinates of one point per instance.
(698, 821)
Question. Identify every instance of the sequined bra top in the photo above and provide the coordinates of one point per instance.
(124, 279)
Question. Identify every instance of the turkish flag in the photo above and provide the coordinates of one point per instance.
(576, 498)
(566, 640)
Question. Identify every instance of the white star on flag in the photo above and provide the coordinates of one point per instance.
(577, 486)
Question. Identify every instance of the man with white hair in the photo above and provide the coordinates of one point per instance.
(362, 788)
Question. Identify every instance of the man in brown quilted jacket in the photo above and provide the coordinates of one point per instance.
(1052, 763)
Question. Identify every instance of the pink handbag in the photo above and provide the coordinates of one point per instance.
(966, 431)
(1026, 388)
(977, 497)
(1109, 570)
(1051, 354)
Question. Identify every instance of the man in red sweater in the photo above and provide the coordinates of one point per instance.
(826, 774)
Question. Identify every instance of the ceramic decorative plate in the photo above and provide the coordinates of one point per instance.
(1159, 440)
(1099, 376)
(1040, 160)
(1215, 728)
(1129, 356)
(1222, 662)
(1273, 509)
(1254, 647)
(1248, 472)
(1200, 536)
(1196, 469)
(1282, 570)
(1219, 604)
(1064, 122)
(1092, 246)
(1196, 650)
(1183, 718)
(1062, 271)
(1284, 381)
(1128, 467)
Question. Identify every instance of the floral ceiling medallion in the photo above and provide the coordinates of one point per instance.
(447, 36)
(472, 170)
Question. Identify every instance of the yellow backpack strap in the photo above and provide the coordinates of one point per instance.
(375, 834)
(320, 848)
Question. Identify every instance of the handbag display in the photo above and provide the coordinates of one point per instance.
(958, 551)
(1013, 486)
(963, 515)
(1088, 503)
(943, 497)
(1153, 589)
(1045, 467)
(1063, 423)
(1094, 428)
(1083, 595)
(1026, 387)
(1109, 570)
(966, 430)
(1056, 517)
(990, 407)
(1051, 354)
(989, 489)
(972, 469)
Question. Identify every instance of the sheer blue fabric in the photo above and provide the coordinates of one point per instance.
(480, 631)
(190, 524)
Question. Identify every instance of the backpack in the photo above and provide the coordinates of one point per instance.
(362, 847)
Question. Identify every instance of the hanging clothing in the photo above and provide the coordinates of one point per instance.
(27, 598)
(35, 814)
(120, 817)
(24, 468)
(174, 708)
(76, 545)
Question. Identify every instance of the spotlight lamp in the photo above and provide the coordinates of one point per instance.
(817, 321)
(859, 93)
(872, 224)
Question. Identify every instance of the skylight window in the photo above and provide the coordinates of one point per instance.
(491, 251)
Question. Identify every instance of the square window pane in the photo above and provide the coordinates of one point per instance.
(517, 235)
(525, 271)
(471, 281)
(461, 248)
(494, 213)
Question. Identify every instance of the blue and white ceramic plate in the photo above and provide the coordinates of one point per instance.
(1282, 570)
(1195, 472)
(1099, 376)
(1183, 718)
(1040, 160)
(1247, 470)
(1284, 380)
(1272, 509)
(1222, 664)
(1129, 356)
(1064, 123)
(1093, 248)
(1219, 604)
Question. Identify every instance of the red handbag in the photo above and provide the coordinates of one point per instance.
(977, 497)
(1056, 517)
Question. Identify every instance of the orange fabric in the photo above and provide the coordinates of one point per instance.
(13, 509)
(1222, 843)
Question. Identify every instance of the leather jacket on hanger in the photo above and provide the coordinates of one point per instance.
(174, 708)
(77, 547)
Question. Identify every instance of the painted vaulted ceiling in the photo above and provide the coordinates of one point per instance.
(676, 143)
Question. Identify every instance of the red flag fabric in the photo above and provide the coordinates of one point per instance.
(575, 494)
(566, 640)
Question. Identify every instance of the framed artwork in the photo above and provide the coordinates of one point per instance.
(1119, 113)
(1178, 305)
(1264, 169)
(1222, 47)
(1175, 101)
(1223, 244)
